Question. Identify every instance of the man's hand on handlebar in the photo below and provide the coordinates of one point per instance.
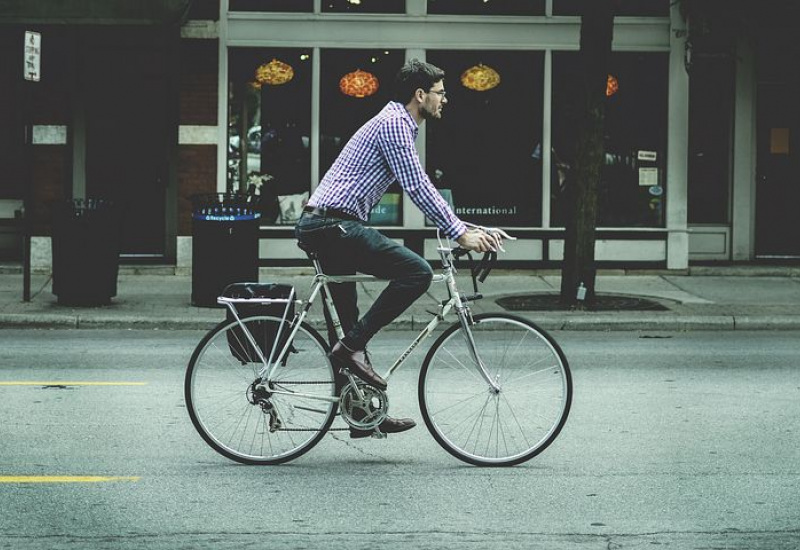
(480, 241)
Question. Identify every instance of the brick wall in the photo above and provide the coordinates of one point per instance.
(197, 173)
(198, 82)
(197, 162)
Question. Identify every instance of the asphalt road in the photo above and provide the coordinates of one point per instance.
(675, 439)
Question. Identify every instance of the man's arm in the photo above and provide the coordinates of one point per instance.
(396, 142)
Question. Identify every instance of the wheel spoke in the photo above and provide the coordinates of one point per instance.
(510, 426)
(246, 422)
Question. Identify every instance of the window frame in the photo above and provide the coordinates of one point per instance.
(396, 31)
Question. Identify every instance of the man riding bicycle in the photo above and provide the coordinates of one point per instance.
(381, 152)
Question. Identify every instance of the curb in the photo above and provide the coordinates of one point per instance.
(547, 321)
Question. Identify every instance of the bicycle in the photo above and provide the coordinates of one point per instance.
(494, 389)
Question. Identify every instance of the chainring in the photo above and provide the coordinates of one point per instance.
(367, 413)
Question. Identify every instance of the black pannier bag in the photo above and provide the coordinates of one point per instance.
(264, 333)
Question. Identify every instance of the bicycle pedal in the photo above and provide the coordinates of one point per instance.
(378, 435)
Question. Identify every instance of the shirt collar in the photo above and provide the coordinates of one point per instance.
(398, 107)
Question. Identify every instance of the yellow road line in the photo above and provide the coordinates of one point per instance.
(64, 479)
(58, 383)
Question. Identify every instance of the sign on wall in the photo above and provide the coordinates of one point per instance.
(32, 63)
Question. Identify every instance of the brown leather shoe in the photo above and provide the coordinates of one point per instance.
(358, 364)
(388, 426)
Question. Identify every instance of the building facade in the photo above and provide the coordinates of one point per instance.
(261, 95)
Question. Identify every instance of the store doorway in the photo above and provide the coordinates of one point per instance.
(778, 167)
(126, 85)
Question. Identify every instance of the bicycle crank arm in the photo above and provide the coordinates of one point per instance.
(359, 393)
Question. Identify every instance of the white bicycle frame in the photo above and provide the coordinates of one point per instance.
(321, 282)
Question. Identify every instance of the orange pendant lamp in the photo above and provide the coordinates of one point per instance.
(480, 78)
(359, 84)
(274, 73)
(612, 85)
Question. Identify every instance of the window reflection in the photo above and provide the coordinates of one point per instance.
(269, 129)
(482, 148)
(632, 189)
(342, 114)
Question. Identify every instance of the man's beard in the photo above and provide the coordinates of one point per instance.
(426, 113)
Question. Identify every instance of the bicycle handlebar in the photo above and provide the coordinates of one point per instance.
(480, 270)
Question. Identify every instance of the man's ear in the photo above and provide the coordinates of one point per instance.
(419, 95)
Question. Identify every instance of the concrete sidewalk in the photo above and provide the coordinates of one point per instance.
(714, 298)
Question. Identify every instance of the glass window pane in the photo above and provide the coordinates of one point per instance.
(269, 128)
(272, 5)
(626, 7)
(364, 6)
(631, 191)
(710, 134)
(483, 7)
(482, 147)
(342, 111)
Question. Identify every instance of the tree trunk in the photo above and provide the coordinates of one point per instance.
(578, 268)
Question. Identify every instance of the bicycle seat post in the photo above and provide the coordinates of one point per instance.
(317, 265)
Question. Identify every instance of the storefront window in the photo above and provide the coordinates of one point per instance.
(272, 5)
(354, 86)
(632, 189)
(484, 7)
(482, 148)
(710, 135)
(269, 128)
(624, 7)
(364, 6)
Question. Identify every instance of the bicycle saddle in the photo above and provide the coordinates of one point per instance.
(310, 252)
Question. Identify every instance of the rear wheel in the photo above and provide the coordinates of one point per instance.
(253, 422)
(479, 425)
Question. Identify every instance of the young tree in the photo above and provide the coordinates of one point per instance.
(578, 268)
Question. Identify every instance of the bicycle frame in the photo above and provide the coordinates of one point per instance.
(320, 283)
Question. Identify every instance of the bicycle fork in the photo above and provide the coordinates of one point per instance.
(465, 318)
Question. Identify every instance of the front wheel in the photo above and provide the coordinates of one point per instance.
(482, 426)
(251, 420)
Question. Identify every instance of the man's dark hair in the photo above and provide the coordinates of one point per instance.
(413, 75)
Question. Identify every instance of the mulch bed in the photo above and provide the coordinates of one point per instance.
(603, 302)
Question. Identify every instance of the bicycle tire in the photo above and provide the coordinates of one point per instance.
(219, 396)
(486, 428)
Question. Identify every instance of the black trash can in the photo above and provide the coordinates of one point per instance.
(224, 244)
(85, 246)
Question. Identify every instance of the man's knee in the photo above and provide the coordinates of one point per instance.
(423, 275)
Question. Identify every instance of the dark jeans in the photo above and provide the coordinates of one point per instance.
(345, 247)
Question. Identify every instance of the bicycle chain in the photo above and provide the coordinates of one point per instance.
(308, 430)
(304, 382)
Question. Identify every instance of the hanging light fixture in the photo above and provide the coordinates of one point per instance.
(480, 78)
(359, 84)
(274, 73)
(612, 85)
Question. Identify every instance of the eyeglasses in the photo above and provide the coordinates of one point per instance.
(440, 93)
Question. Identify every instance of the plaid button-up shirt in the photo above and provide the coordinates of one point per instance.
(379, 153)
